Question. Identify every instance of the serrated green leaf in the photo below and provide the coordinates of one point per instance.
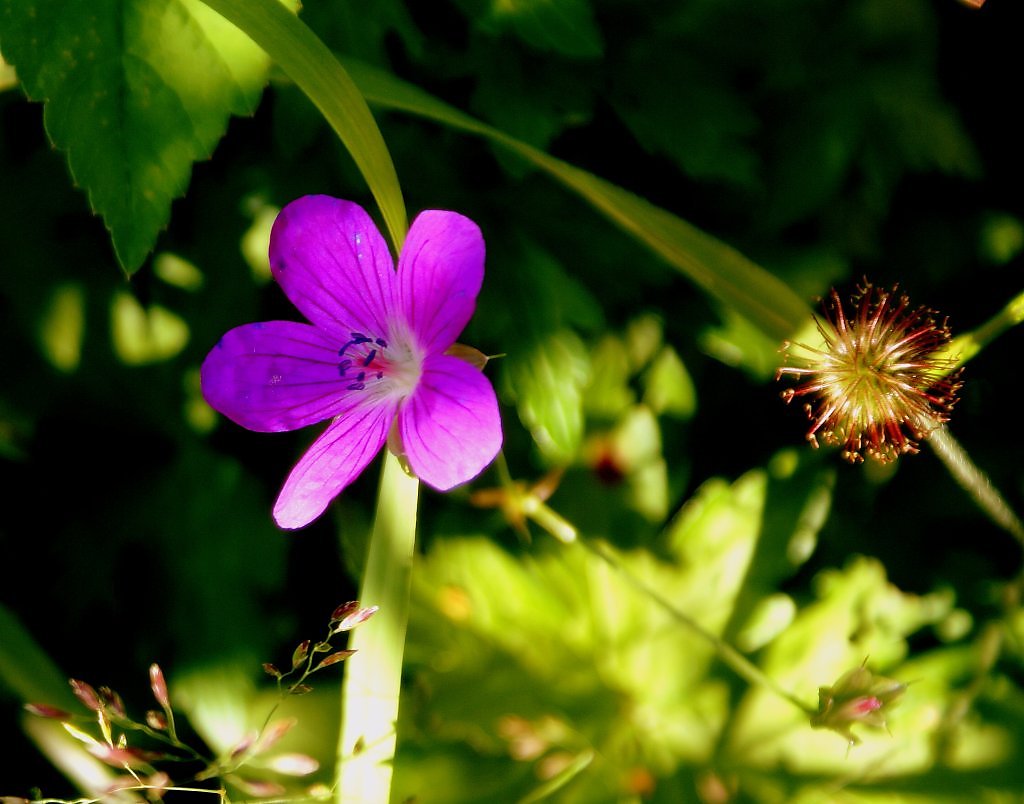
(135, 91)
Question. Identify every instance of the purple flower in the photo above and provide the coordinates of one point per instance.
(374, 358)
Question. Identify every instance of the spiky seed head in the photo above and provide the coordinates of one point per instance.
(880, 380)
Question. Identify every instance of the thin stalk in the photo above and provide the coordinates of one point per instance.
(975, 482)
(731, 657)
(373, 675)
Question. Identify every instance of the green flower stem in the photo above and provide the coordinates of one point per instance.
(975, 482)
(310, 64)
(373, 675)
(731, 657)
(969, 344)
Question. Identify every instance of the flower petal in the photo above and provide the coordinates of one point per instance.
(450, 426)
(274, 376)
(334, 265)
(333, 461)
(440, 271)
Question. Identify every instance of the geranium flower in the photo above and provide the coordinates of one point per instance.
(373, 359)
(880, 380)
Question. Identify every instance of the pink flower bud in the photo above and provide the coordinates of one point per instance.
(113, 702)
(293, 764)
(86, 694)
(859, 696)
(344, 610)
(122, 757)
(257, 789)
(300, 653)
(274, 732)
(354, 618)
(156, 720)
(159, 686)
(243, 745)
(334, 658)
(45, 710)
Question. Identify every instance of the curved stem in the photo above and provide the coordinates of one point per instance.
(732, 658)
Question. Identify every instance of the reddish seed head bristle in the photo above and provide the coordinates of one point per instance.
(878, 383)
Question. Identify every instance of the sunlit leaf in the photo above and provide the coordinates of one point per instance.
(858, 616)
(560, 633)
(608, 394)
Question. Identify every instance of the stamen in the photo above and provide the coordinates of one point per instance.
(375, 346)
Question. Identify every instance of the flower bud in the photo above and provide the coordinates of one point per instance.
(353, 618)
(334, 658)
(86, 694)
(293, 764)
(112, 701)
(300, 653)
(859, 696)
(274, 732)
(47, 711)
(343, 611)
(156, 720)
(159, 686)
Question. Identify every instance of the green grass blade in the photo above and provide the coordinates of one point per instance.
(721, 271)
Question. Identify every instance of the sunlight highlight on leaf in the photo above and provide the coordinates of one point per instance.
(145, 335)
(63, 327)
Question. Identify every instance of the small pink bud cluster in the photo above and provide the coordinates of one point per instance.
(858, 696)
(108, 711)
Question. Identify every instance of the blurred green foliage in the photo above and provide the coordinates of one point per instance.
(824, 141)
